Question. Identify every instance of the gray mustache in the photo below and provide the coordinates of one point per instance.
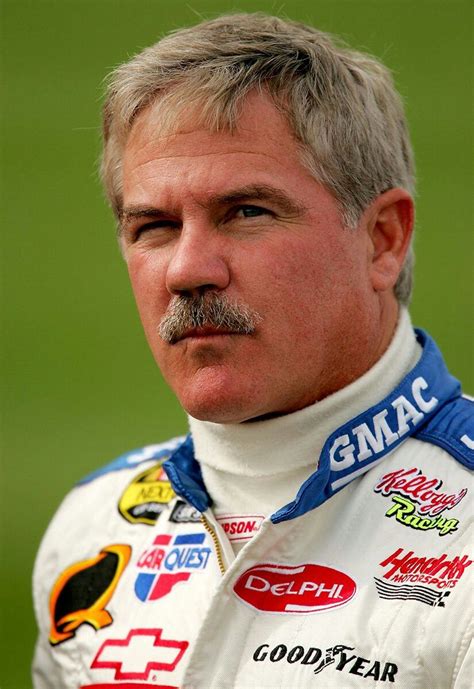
(210, 309)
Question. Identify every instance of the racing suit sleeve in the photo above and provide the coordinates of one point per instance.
(44, 671)
(465, 676)
(47, 670)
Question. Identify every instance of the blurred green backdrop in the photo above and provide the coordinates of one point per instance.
(79, 385)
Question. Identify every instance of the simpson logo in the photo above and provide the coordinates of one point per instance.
(140, 655)
(409, 577)
(146, 496)
(183, 513)
(294, 588)
(82, 591)
(240, 527)
(168, 562)
(339, 656)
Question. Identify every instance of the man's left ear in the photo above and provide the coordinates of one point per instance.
(390, 225)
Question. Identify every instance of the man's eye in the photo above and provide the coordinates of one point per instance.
(155, 225)
(251, 211)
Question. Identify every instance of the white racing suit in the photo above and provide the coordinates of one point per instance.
(363, 580)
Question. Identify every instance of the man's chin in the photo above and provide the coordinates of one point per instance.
(219, 406)
(220, 393)
(223, 412)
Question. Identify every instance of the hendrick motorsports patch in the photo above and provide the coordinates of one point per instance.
(146, 496)
(424, 579)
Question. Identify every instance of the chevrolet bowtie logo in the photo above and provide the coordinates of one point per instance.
(141, 652)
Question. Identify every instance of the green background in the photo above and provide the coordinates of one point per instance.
(79, 385)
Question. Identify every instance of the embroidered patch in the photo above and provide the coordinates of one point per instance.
(424, 579)
(339, 656)
(169, 561)
(146, 496)
(183, 513)
(303, 588)
(82, 591)
(418, 501)
(140, 655)
(240, 527)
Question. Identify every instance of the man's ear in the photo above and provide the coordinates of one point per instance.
(390, 226)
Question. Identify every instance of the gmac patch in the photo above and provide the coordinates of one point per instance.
(145, 498)
(82, 591)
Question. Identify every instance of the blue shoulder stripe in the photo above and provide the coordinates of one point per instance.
(453, 429)
(136, 457)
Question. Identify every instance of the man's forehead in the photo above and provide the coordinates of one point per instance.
(259, 124)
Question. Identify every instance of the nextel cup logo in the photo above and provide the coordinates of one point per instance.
(294, 588)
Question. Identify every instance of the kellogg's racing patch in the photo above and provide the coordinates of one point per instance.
(418, 501)
(146, 496)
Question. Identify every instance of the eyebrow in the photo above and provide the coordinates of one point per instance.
(257, 192)
(262, 192)
(126, 215)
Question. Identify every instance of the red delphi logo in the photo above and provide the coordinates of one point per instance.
(294, 588)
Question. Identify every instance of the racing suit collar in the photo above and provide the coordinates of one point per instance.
(355, 446)
(281, 445)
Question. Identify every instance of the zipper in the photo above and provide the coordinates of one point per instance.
(211, 531)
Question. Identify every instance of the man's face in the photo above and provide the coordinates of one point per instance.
(239, 215)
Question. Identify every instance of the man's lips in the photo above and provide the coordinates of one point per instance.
(204, 332)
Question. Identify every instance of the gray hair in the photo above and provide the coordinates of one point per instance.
(341, 105)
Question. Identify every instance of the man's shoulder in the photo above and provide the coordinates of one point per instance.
(452, 428)
(98, 497)
(134, 458)
(131, 489)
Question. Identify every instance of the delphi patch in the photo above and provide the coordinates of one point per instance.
(305, 588)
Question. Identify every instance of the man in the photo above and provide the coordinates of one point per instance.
(312, 530)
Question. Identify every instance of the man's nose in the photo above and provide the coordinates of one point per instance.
(197, 262)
